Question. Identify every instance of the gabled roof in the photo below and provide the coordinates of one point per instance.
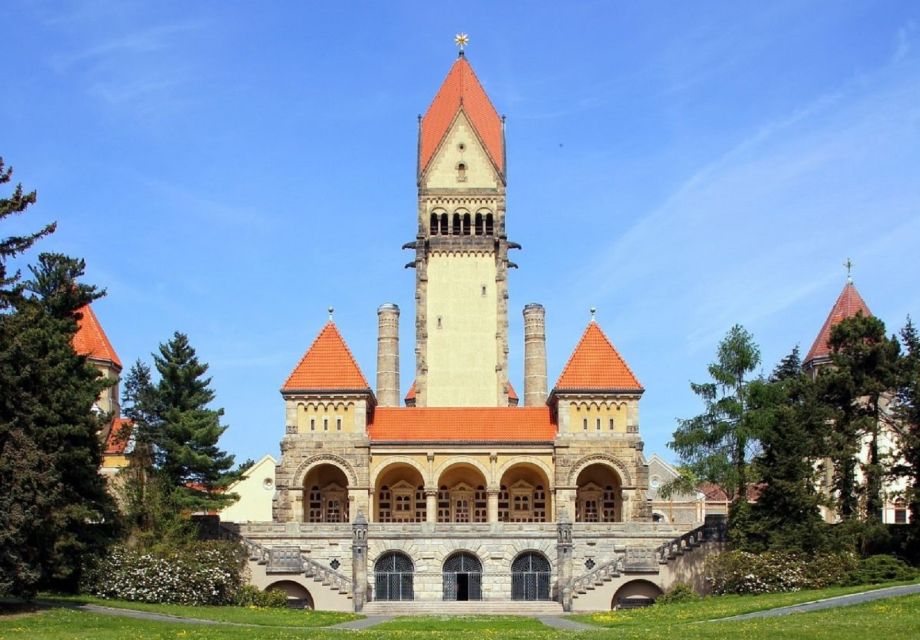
(327, 366)
(410, 395)
(512, 394)
(596, 365)
(91, 341)
(848, 304)
(483, 424)
(116, 443)
(461, 89)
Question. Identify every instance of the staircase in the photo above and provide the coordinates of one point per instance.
(464, 608)
(287, 560)
(597, 577)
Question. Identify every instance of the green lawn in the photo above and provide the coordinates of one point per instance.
(891, 619)
(269, 617)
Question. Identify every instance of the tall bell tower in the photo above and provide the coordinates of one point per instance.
(461, 250)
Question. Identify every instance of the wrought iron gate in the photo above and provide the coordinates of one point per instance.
(462, 577)
(393, 577)
(530, 576)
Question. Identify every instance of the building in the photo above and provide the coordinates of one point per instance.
(468, 492)
(848, 304)
(255, 490)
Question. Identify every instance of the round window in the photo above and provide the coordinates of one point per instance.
(268, 483)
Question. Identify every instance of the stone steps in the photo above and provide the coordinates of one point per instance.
(467, 608)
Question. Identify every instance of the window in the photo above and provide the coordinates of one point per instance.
(478, 223)
(338, 424)
(585, 424)
(433, 228)
(457, 228)
(312, 424)
(598, 424)
(443, 230)
(325, 424)
(490, 224)
(461, 172)
(466, 224)
(611, 424)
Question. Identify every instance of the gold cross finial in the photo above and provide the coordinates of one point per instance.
(461, 40)
(849, 265)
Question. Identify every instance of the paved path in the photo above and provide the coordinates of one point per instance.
(357, 625)
(138, 615)
(829, 603)
(563, 623)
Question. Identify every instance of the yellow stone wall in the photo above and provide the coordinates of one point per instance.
(334, 416)
(602, 410)
(442, 172)
(462, 324)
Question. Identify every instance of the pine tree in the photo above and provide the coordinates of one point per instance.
(909, 416)
(55, 511)
(864, 372)
(790, 427)
(12, 246)
(185, 431)
(715, 445)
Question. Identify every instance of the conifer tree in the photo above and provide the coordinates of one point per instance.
(185, 432)
(54, 508)
(909, 416)
(716, 444)
(790, 426)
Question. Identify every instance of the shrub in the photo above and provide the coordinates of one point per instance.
(881, 568)
(679, 592)
(207, 573)
(250, 596)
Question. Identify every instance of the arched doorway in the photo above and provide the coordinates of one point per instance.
(297, 595)
(599, 497)
(394, 577)
(462, 495)
(524, 495)
(636, 593)
(462, 575)
(325, 495)
(400, 495)
(530, 576)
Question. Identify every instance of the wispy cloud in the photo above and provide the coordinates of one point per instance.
(152, 40)
(903, 41)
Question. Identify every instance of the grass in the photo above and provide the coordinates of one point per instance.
(889, 618)
(714, 607)
(243, 615)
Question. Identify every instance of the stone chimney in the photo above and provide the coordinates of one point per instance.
(534, 355)
(388, 355)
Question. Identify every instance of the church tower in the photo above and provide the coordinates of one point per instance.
(461, 250)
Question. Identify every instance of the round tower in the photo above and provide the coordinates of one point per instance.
(534, 355)
(388, 355)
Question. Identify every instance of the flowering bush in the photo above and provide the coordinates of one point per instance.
(206, 573)
(250, 596)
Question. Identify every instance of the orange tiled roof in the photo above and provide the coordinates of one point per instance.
(512, 394)
(327, 365)
(117, 441)
(91, 341)
(410, 395)
(492, 424)
(461, 89)
(596, 365)
(849, 302)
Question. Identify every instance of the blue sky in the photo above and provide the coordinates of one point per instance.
(230, 170)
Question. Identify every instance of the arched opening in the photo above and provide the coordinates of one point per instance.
(298, 597)
(444, 228)
(466, 224)
(400, 495)
(325, 491)
(457, 229)
(433, 227)
(524, 495)
(462, 495)
(530, 576)
(461, 172)
(599, 497)
(462, 577)
(490, 224)
(479, 227)
(659, 517)
(636, 593)
(394, 576)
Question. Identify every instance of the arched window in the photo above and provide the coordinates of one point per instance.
(530, 576)
(433, 228)
(478, 223)
(466, 224)
(462, 575)
(490, 224)
(461, 172)
(456, 230)
(443, 224)
(393, 577)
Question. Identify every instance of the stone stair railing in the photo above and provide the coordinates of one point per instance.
(288, 560)
(713, 530)
(597, 576)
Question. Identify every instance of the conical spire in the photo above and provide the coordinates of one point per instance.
(848, 304)
(91, 341)
(328, 365)
(596, 365)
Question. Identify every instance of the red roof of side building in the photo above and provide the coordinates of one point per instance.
(512, 394)
(482, 424)
(411, 393)
(596, 365)
(119, 434)
(848, 304)
(327, 366)
(461, 89)
(91, 341)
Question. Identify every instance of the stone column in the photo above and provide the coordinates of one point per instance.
(492, 504)
(359, 561)
(431, 504)
(388, 355)
(564, 560)
(534, 355)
